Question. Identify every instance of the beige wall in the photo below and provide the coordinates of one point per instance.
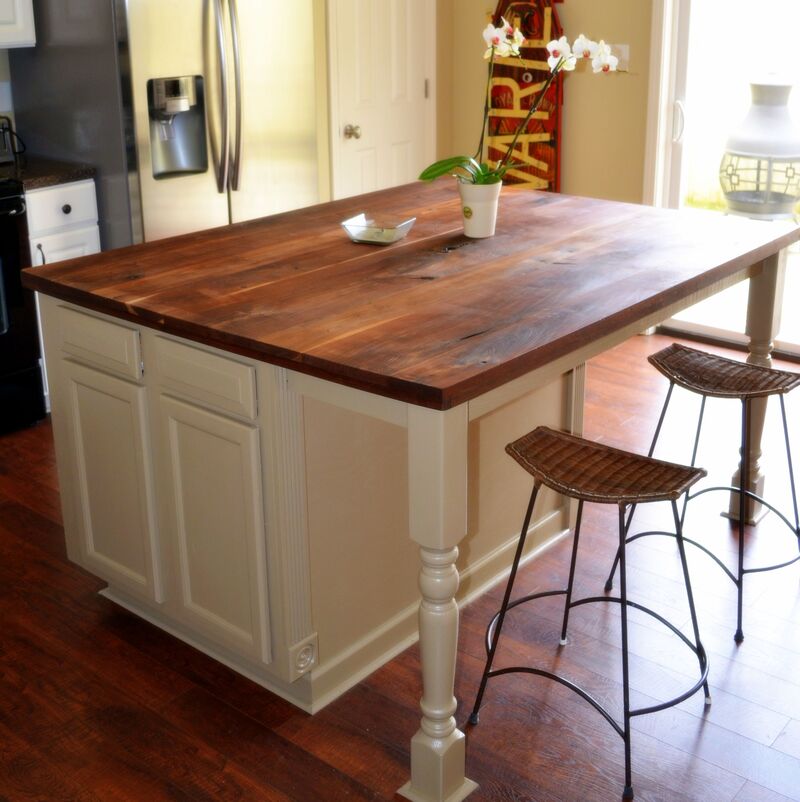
(604, 117)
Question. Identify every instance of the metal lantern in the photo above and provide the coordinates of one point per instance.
(760, 171)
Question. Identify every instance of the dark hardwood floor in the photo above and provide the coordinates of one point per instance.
(96, 704)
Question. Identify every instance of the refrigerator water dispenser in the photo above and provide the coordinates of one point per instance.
(177, 126)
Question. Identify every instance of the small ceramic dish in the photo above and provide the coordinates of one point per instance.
(376, 232)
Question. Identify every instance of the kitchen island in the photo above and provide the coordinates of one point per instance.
(251, 421)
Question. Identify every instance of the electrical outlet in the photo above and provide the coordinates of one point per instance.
(623, 53)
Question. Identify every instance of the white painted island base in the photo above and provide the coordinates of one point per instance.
(263, 515)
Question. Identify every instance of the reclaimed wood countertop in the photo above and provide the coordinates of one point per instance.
(436, 319)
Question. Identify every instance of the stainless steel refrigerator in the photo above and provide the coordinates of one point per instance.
(195, 113)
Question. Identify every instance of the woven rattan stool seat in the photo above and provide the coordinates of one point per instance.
(591, 471)
(718, 376)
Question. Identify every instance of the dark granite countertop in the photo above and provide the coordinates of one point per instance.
(38, 172)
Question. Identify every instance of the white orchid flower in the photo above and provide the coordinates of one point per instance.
(604, 60)
(503, 42)
(496, 41)
(514, 36)
(517, 40)
(584, 47)
(561, 56)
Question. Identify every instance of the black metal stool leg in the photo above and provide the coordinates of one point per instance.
(626, 702)
(694, 452)
(495, 636)
(701, 655)
(791, 469)
(610, 581)
(572, 564)
(744, 478)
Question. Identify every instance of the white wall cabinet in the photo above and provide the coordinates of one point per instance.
(16, 23)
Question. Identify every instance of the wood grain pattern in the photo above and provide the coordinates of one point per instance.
(435, 319)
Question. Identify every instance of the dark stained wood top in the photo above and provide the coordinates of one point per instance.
(436, 319)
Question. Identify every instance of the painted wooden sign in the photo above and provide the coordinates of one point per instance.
(515, 85)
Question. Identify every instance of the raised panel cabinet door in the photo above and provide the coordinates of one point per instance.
(65, 245)
(114, 480)
(16, 23)
(217, 526)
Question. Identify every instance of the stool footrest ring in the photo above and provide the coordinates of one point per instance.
(697, 545)
(751, 495)
(698, 651)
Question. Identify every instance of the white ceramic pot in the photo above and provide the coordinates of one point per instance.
(479, 208)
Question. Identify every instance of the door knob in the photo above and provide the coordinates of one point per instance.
(352, 131)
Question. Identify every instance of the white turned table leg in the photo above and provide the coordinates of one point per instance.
(437, 465)
(763, 321)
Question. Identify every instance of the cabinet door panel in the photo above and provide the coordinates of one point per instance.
(214, 468)
(65, 245)
(114, 480)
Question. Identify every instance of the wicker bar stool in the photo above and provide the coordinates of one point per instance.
(715, 376)
(588, 471)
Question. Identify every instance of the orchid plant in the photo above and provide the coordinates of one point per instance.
(504, 42)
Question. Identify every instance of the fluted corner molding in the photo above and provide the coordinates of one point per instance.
(287, 515)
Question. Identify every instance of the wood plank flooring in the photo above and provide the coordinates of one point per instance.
(97, 705)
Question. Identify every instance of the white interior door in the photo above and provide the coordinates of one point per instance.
(382, 62)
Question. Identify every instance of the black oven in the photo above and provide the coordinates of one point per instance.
(21, 392)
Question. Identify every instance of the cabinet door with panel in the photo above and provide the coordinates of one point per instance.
(64, 245)
(211, 466)
(16, 23)
(112, 477)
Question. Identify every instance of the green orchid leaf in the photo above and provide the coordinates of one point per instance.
(445, 167)
(465, 168)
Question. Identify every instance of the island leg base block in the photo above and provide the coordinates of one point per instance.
(754, 510)
(437, 769)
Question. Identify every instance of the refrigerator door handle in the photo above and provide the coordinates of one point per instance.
(236, 155)
(222, 173)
